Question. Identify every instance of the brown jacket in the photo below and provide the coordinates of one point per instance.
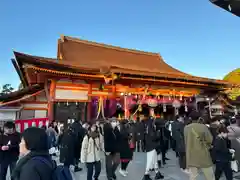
(198, 140)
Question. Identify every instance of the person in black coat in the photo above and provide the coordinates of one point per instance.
(67, 142)
(9, 152)
(178, 137)
(222, 155)
(33, 147)
(166, 139)
(160, 140)
(79, 132)
(163, 136)
(112, 148)
(214, 125)
(126, 153)
(140, 130)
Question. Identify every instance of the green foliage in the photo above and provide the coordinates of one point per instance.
(233, 93)
(233, 77)
(6, 89)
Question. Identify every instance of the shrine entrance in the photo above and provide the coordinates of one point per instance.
(66, 113)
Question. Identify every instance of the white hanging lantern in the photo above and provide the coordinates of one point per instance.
(176, 111)
(164, 108)
(180, 98)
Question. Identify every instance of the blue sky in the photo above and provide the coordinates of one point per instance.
(192, 35)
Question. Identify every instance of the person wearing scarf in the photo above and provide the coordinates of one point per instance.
(92, 146)
(33, 148)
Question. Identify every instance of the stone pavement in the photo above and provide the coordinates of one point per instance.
(136, 170)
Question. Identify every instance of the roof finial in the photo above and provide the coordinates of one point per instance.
(60, 56)
(62, 37)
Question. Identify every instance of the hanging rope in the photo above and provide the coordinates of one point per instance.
(138, 109)
(100, 108)
(103, 115)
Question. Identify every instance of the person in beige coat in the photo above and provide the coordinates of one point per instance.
(92, 146)
(198, 140)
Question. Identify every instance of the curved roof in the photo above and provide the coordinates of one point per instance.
(233, 77)
(76, 55)
(20, 94)
(80, 52)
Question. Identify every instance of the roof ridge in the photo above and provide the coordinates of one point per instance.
(118, 48)
(33, 56)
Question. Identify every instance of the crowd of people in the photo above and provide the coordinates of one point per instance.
(206, 145)
(200, 145)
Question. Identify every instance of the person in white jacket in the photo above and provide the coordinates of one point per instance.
(92, 146)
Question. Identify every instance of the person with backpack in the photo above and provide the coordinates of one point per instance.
(92, 146)
(198, 142)
(33, 146)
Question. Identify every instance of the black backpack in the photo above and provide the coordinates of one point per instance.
(59, 172)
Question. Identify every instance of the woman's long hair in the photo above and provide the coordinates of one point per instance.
(221, 129)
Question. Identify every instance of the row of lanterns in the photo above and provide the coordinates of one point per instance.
(170, 97)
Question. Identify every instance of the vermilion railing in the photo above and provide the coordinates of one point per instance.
(21, 125)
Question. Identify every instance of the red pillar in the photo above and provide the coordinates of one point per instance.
(51, 100)
(89, 108)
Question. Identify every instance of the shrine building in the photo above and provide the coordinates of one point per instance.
(90, 80)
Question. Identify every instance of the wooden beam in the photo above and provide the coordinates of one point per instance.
(27, 75)
(34, 102)
(72, 88)
(35, 108)
(46, 90)
(163, 81)
(70, 100)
